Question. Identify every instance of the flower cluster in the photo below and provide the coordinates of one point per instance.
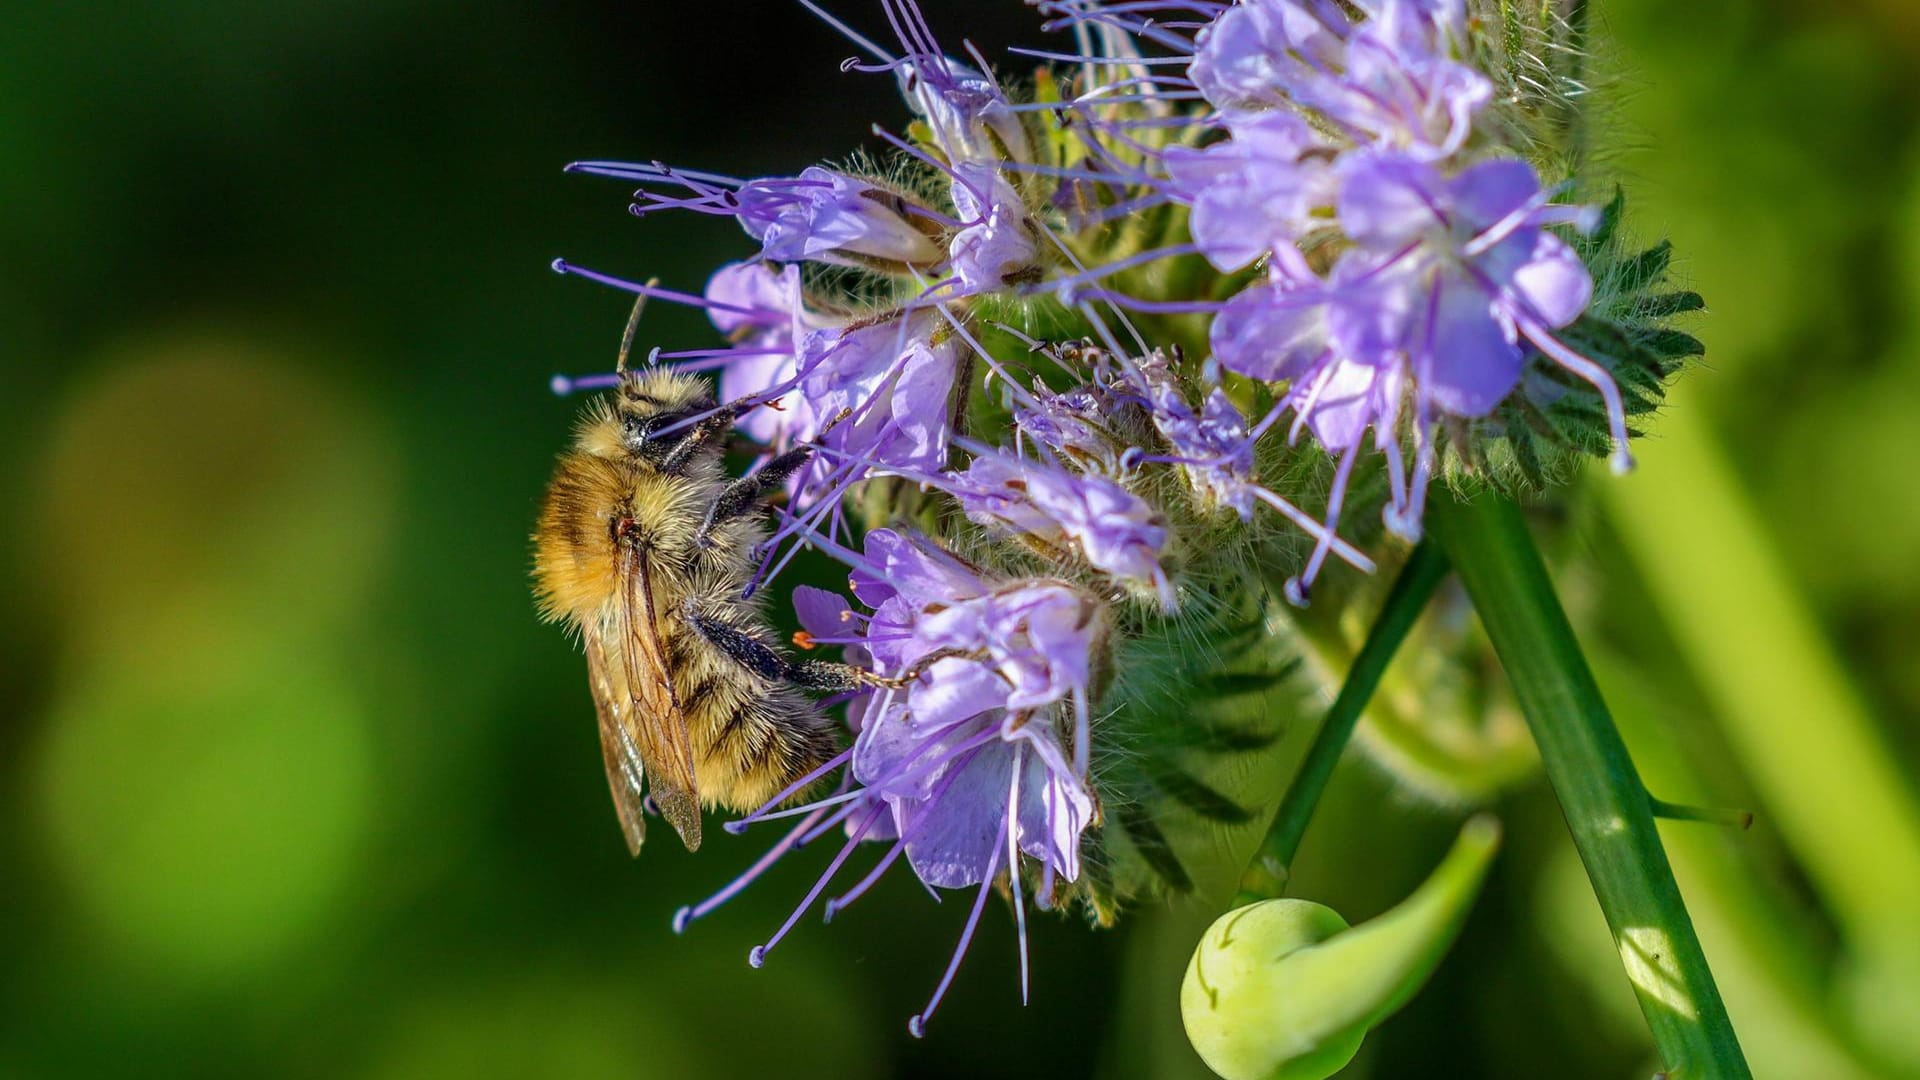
(1410, 266)
(973, 761)
(1090, 334)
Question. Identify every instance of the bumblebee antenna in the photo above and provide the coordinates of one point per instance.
(633, 326)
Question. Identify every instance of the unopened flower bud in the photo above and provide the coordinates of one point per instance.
(1285, 990)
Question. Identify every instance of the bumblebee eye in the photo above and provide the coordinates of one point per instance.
(656, 435)
(635, 429)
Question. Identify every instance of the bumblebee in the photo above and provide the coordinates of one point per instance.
(644, 548)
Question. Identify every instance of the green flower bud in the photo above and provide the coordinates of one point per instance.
(1285, 990)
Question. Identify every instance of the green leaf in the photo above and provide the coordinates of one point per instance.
(1188, 791)
(1153, 847)
(1635, 274)
(1667, 305)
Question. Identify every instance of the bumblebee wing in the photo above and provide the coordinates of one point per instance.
(659, 726)
(625, 770)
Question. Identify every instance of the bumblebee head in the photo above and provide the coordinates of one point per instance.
(657, 408)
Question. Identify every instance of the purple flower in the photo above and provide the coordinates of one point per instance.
(1215, 448)
(1115, 530)
(1213, 445)
(819, 216)
(1254, 195)
(984, 662)
(827, 216)
(965, 109)
(1450, 271)
(1400, 87)
(1073, 424)
(1255, 52)
(964, 770)
(1389, 81)
(996, 246)
(1449, 280)
(758, 308)
(891, 386)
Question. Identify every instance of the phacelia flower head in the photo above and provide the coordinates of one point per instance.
(974, 766)
(1450, 279)
(1229, 228)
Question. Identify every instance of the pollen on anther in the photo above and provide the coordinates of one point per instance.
(802, 639)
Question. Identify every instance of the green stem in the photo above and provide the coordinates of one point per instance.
(1266, 875)
(1606, 807)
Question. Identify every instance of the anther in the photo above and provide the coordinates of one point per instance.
(1298, 594)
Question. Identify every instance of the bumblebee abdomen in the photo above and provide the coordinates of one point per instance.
(575, 564)
(751, 735)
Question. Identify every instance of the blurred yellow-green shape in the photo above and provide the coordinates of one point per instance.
(213, 521)
(200, 476)
(1813, 752)
(209, 816)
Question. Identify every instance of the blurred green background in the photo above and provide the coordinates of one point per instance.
(294, 784)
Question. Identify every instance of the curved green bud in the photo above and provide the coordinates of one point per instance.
(1285, 990)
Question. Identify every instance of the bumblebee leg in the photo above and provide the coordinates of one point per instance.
(702, 435)
(745, 493)
(756, 656)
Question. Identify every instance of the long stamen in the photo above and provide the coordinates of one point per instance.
(917, 1026)
(1299, 587)
(847, 32)
(757, 956)
(622, 170)
(1077, 58)
(927, 159)
(1536, 331)
(828, 823)
(739, 826)
(562, 266)
(1347, 552)
(687, 914)
(1069, 286)
(1013, 866)
(837, 904)
(563, 385)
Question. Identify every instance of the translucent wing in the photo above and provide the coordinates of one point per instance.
(658, 726)
(625, 770)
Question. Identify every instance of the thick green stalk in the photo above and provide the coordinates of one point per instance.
(1266, 875)
(1606, 807)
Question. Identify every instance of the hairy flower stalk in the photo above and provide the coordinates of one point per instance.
(1212, 297)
